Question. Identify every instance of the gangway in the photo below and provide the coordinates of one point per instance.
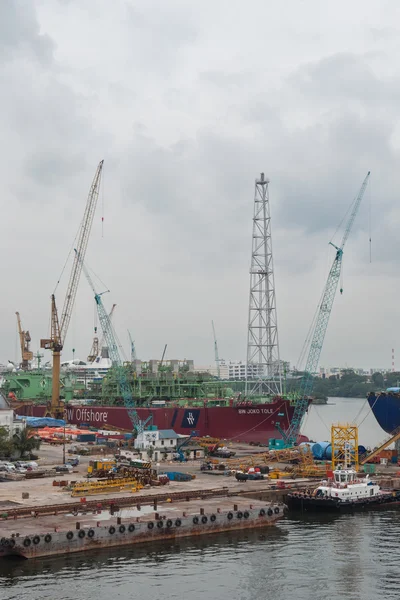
(394, 436)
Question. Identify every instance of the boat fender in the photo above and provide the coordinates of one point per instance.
(27, 542)
(276, 510)
(122, 528)
(70, 535)
(2, 541)
(150, 525)
(111, 530)
(230, 515)
(47, 538)
(239, 514)
(5, 542)
(36, 540)
(131, 527)
(246, 514)
(82, 533)
(195, 520)
(204, 519)
(169, 523)
(160, 524)
(262, 513)
(213, 518)
(11, 543)
(270, 512)
(178, 522)
(90, 533)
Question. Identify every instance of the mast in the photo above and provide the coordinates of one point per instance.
(263, 372)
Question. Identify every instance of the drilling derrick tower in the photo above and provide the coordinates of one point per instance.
(263, 373)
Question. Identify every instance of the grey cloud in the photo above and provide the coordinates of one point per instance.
(20, 32)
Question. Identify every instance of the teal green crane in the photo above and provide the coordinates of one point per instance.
(306, 385)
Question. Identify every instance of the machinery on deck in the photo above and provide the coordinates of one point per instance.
(325, 307)
(59, 328)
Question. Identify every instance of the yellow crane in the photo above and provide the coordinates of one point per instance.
(59, 328)
(24, 340)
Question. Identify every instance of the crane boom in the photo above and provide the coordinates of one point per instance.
(324, 312)
(216, 352)
(113, 351)
(133, 348)
(82, 244)
(59, 328)
(24, 340)
(97, 345)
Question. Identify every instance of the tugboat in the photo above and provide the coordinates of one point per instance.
(344, 492)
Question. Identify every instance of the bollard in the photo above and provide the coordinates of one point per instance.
(98, 524)
(118, 520)
(251, 507)
(155, 504)
(235, 507)
(218, 510)
(77, 525)
(157, 516)
(138, 507)
(184, 514)
(202, 511)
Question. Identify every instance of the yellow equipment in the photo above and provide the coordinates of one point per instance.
(59, 328)
(24, 340)
(344, 440)
(100, 465)
(104, 487)
(394, 436)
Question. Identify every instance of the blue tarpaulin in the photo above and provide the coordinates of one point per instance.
(42, 421)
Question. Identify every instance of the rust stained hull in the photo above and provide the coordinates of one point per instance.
(40, 544)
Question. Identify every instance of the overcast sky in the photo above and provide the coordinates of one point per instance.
(187, 102)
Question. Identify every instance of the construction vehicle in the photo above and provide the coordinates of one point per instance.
(59, 328)
(24, 340)
(179, 455)
(302, 399)
(114, 354)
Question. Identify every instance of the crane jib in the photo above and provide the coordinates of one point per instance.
(325, 309)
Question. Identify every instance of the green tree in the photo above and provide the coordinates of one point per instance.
(24, 442)
(378, 380)
(6, 445)
(150, 452)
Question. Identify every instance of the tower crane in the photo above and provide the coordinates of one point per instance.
(114, 354)
(59, 328)
(216, 352)
(133, 348)
(306, 385)
(97, 345)
(24, 340)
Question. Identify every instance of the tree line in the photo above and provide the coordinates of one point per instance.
(349, 384)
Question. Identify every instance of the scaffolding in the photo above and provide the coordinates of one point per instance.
(344, 440)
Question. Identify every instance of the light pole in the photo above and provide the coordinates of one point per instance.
(64, 444)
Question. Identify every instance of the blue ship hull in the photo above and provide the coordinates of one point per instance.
(386, 409)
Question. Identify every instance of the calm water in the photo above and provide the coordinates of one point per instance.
(350, 557)
(317, 424)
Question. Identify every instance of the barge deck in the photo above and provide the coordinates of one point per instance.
(49, 535)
